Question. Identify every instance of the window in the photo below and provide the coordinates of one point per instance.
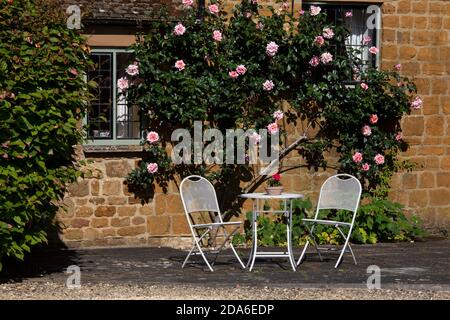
(357, 24)
(111, 119)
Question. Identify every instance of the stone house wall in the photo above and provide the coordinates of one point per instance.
(417, 34)
(102, 212)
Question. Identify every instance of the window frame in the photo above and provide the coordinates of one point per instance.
(351, 5)
(114, 141)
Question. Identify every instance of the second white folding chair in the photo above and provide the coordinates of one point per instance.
(341, 192)
(198, 195)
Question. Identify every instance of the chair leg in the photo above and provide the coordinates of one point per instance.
(251, 261)
(313, 240)
(197, 244)
(351, 251)
(347, 238)
(228, 238)
(189, 254)
(204, 257)
(303, 253)
(347, 242)
(310, 238)
(237, 256)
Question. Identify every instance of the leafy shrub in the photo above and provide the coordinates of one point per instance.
(43, 96)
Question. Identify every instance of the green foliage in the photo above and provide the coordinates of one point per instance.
(382, 220)
(43, 96)
(328, 98)
(377, 221)
(141, 179)
(190, 76)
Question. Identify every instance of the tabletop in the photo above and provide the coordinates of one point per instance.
(269, 196)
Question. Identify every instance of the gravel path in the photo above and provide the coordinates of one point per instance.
(37, 290)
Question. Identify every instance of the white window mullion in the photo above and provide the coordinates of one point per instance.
(114, 95)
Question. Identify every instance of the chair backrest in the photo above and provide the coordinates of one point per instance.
(341, 191)
(198, 195)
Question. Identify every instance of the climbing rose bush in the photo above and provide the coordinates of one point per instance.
(250, 71)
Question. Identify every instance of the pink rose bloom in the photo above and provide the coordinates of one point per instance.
(241, 69)
(122, 84)
(379, 159)
(365, 167)
(214, 9)
(259, 26)
(302, 12)
(268, 85)
(357, 157)
(398, 67)
(179, 29)
(373, 119)
(366, 130)
(188, 3)
(272, 128)
(217, 35)
(366, 40)
(152, 137)
(373, 50)
(314, 61)
(152, 168)
(315, 10)
(328, 33)
(254, 1)
(319, 40)
(233, 74)
(271, 49)
(180, 65)
(398, 137)
(132, 69)
(73, 71)
(364, 86)
(348, 14)
(417, 103)
(326, 57)
(278, 115)
(255, 137)
(285, 5)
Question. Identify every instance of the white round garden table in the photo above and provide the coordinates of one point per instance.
(258, 208)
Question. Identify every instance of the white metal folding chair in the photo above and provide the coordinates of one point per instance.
(341, 191)
(198, 195)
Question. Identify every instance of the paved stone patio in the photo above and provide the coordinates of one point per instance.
(419, 266)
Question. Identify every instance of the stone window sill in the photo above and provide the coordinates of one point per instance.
(112, 148)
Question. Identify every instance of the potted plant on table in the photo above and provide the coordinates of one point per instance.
(274, 186)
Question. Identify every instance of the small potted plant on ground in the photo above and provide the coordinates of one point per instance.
(274, 186)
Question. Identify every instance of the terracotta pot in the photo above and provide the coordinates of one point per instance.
(274, 191)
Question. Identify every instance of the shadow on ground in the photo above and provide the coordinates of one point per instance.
(410, 264)
(42, 261)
